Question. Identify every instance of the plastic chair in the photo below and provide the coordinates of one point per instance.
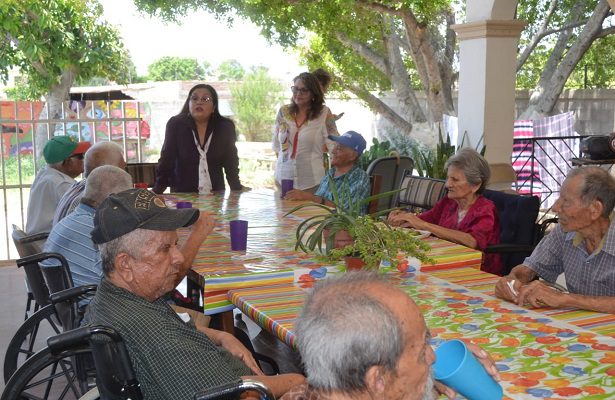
(520, 233)
(419, 194)
(143, 172)
(391, 169)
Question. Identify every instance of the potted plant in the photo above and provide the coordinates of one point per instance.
(367, 237)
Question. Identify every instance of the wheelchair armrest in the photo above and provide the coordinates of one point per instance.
(505, 248)
(236, 387)
(72, 293)
(34, 238)
(79, 337)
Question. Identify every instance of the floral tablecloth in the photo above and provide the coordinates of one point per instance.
(538, 356)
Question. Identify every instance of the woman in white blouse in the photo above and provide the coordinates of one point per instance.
(300, 134)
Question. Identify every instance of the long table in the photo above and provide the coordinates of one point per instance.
(270, 257)
(538, 356)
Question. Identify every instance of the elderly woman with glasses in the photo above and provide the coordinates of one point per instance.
(199, 147)
(300, 135)
(463, 216)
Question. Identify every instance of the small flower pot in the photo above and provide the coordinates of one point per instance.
(342, 239)
(354, 263)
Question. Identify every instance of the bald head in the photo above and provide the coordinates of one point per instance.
(103, 153)
(105, 180)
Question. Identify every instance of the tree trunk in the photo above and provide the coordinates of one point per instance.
(398, 74)
(53, 109)
(381, 107)
(545, 96)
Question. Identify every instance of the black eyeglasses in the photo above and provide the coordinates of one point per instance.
(205, 99)
(78, 156)
(296, 90)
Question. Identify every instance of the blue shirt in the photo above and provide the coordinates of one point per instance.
(351, 187)
(71, 237)
(565, 252)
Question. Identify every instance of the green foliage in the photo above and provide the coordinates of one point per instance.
(599, 57)
(21, 90)
(377, 150)
(177, 69)
(430, 162)
(230, 70)
(45, 39)
(371, 236)
(10, 171)
(254, 103)
(376, 241)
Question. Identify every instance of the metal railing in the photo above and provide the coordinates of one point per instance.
(542, 163)
(24, 125)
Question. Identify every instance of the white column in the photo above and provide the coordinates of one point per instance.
(486, 103)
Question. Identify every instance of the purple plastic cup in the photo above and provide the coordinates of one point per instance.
(183, 204)
(239, 235)
(287, 184)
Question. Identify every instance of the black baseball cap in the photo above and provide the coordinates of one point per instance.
(123, 212)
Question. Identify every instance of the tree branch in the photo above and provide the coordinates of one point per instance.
(561, 45)
(375, 59)
(606, 32)
(538, 37)
(379, 106)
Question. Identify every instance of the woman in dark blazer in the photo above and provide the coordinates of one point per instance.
(199, 144)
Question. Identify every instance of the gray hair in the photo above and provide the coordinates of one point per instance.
(473, 165)
(342, 332)
(133, 243)
(102, 153)
(598, 185)
(105, 180)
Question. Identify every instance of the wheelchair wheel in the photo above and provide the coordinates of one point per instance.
(46, 376)
(23, 344)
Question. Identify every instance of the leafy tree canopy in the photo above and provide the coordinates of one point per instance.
(178, 68)
(255, 100)
(402, 46)
(230, 70)
(48, 39)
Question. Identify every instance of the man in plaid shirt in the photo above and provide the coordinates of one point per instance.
(582, 247)
(137, 238)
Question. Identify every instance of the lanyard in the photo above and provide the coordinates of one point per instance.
(296, 138)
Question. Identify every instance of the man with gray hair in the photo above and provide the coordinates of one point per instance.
(582, 247)
(71, 237)
(101, 153)
(137, 238)
(362, 338)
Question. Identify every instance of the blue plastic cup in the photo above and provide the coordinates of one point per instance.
(458, 369)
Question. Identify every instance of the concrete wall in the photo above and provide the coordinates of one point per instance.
(594, 109)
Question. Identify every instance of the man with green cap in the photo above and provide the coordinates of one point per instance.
(64, 157)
